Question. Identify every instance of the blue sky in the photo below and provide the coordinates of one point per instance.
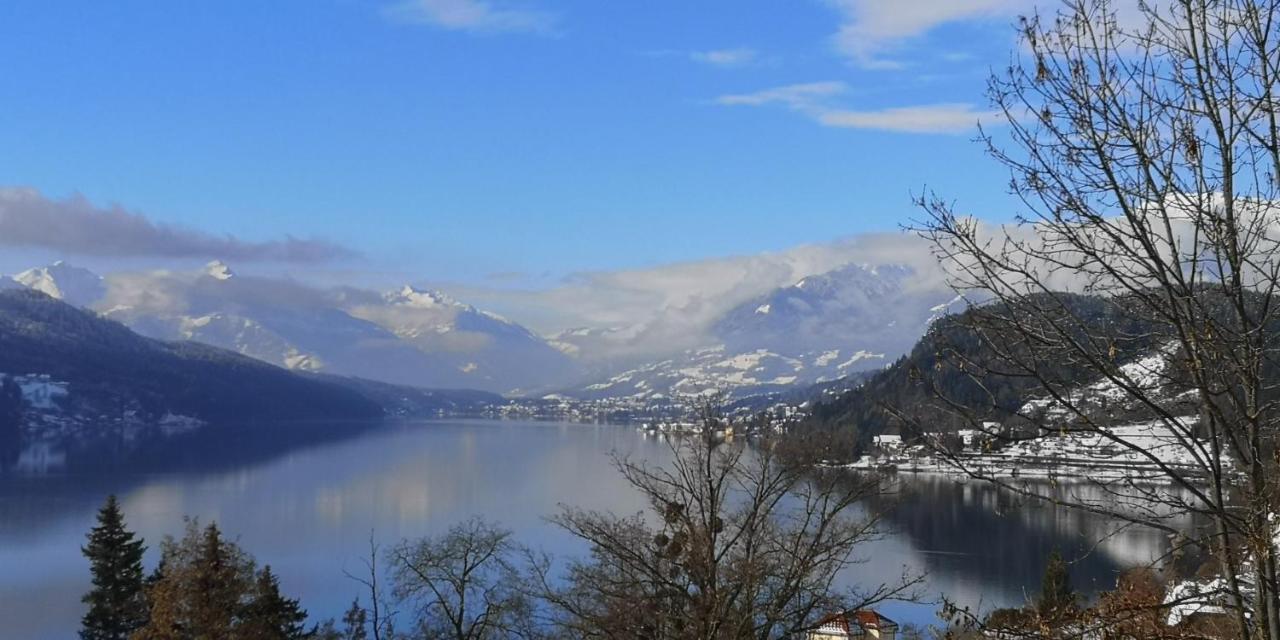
(501, 143)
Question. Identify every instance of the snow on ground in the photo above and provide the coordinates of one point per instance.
(719, 368)
(1158, 449)
(858, 357)
(1158, 440)
(40, 391)
(826, 358)
(1146, 375)
(1192, 597)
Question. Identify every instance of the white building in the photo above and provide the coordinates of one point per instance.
(887, 441)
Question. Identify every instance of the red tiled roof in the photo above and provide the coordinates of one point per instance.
(868, 619)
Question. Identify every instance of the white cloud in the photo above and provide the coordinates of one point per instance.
(725, 57)
(871, 30)
(792, 95)
(76, 226)
(814, 101)
(476, 16)
(935, 118)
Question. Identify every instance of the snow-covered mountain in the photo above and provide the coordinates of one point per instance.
(279, 322)
(409, 336)
(740, 374)
(821, 328)
(73, 285)
(484, 346)
(861, 307)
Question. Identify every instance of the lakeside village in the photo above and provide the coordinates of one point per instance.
(995, 451)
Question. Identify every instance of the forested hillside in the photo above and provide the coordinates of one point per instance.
(111, 370)
(952, 362)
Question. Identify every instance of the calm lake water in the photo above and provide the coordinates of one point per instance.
(307, 505)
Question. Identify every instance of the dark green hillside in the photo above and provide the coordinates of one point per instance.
(946, 362)
(111, 369)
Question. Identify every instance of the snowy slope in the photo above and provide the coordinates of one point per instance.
(1148, 374)
(740, 374)
(1129, 433)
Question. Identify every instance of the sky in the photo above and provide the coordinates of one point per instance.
(485, 145)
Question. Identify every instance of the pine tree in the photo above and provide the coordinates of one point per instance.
(1057, 597)
(117, 606)
(354, 621)
(269, 615)
(217, 586)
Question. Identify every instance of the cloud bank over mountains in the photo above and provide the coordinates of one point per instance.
(716, 323)
(593, 325)
(635, 313)
(75, 226)
(668, 308)
(422, 331)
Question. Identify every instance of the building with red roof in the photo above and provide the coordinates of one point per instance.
(863, 623)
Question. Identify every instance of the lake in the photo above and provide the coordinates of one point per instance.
(308, 502)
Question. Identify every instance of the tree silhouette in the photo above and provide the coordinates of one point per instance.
(116, 603)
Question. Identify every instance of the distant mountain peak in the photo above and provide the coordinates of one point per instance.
(218, 270)
(853, 307)
(411, 296)
(71, 284)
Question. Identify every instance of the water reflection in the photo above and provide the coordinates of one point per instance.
(985, 547)
(308, 503)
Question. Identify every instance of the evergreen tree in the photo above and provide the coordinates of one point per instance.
(117, 606)
(217, 586)
(1056, 594)
(354, 621)
(269, 615)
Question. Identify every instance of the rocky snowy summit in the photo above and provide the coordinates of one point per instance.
(62, 281)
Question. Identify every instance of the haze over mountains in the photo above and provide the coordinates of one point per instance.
(821, 328)
(854, 318)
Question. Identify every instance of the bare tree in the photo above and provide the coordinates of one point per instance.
(380, 616)
(1145, 151)
(463, 584)
(738, 542)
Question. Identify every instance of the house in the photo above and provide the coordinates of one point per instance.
(888, 442)
(864, 623)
